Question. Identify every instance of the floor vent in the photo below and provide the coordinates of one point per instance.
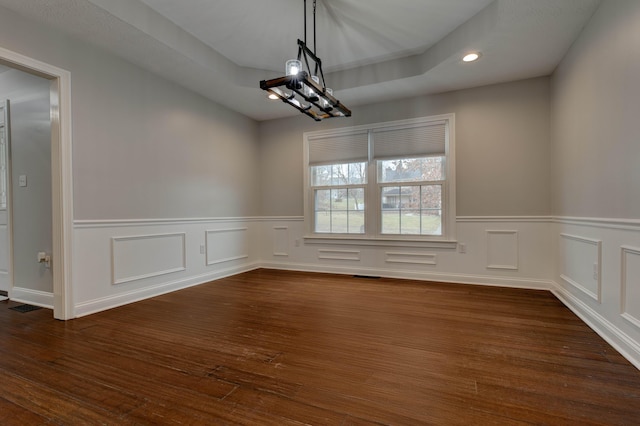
(369, 277)
(25, 308)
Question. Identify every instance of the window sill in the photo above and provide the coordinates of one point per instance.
(381, 242)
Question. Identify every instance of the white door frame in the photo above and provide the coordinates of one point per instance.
(61, 176)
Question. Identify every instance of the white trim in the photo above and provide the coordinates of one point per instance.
(379, 242)
(374, 214)
(505, 267)
(275, 231)
(411, 258)
(624, 250)
(597, 296)
(525, 219)
(114, 240)
(624, 344)
(226, 259)
(626, 224)
(61, 174)
(494, 281)
(111, 223)
(43, 299)
(120, 299)
(327, 254)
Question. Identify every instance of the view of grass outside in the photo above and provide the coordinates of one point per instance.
(410, 197)
(342, 220)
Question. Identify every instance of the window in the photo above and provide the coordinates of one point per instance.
(382, 182)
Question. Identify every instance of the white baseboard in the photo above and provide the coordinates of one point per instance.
(534, 283)
(97, 305)
(32, 297)
(627, 347)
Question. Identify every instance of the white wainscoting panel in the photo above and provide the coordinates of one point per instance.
(138, 257)
(610, 304)
(281, 241)
(330, 254)
(226, 245)
(579, 260)
(630, 284)
(411, 258)
(502, 249)
(534, 262)
(4, 257)
(150, 257)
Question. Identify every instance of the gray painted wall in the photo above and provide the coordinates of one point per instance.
(30, 156)
(144, 147)
(596, 108)
(502, 143)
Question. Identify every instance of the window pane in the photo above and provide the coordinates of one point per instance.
(390, 221)
(391, 197)
(339, 174)
(323, 221)
(411, 169)
(431, 222)
(412, 209)
(323, 200)
(355, 199)
(338, 199)
(431, 197)
(410, 222)
(431, 203)
(339, 222)
(356, 222)
(322, 210)
(321, 175)
(357, 173)
(339, 210)
(356, 210)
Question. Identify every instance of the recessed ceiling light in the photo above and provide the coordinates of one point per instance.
(470, 57)
(272, 97)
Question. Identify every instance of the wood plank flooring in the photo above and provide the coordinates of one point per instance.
(288, 348)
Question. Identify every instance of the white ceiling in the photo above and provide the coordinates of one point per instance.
(372, 50)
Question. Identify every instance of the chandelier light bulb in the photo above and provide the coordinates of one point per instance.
(293, 67)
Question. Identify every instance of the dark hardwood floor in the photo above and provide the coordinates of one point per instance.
(287, 348)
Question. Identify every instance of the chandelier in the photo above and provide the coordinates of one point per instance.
(302, 89)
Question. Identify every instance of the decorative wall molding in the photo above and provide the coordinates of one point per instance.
(256, 237)
(281, 241)
(138, 257)
(329, 254)
(504, 219)
(576, 262)
(118, 223)
(597, 222)
(222, 247)
(411, 258)
(629, 285)
(380, 242)
(502, 249)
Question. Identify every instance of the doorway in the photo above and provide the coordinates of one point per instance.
(61, 201)
(25, 188)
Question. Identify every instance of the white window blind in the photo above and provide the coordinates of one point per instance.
(348, 148)
(414, 141)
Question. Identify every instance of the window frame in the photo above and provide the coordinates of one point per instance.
(373, 199)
